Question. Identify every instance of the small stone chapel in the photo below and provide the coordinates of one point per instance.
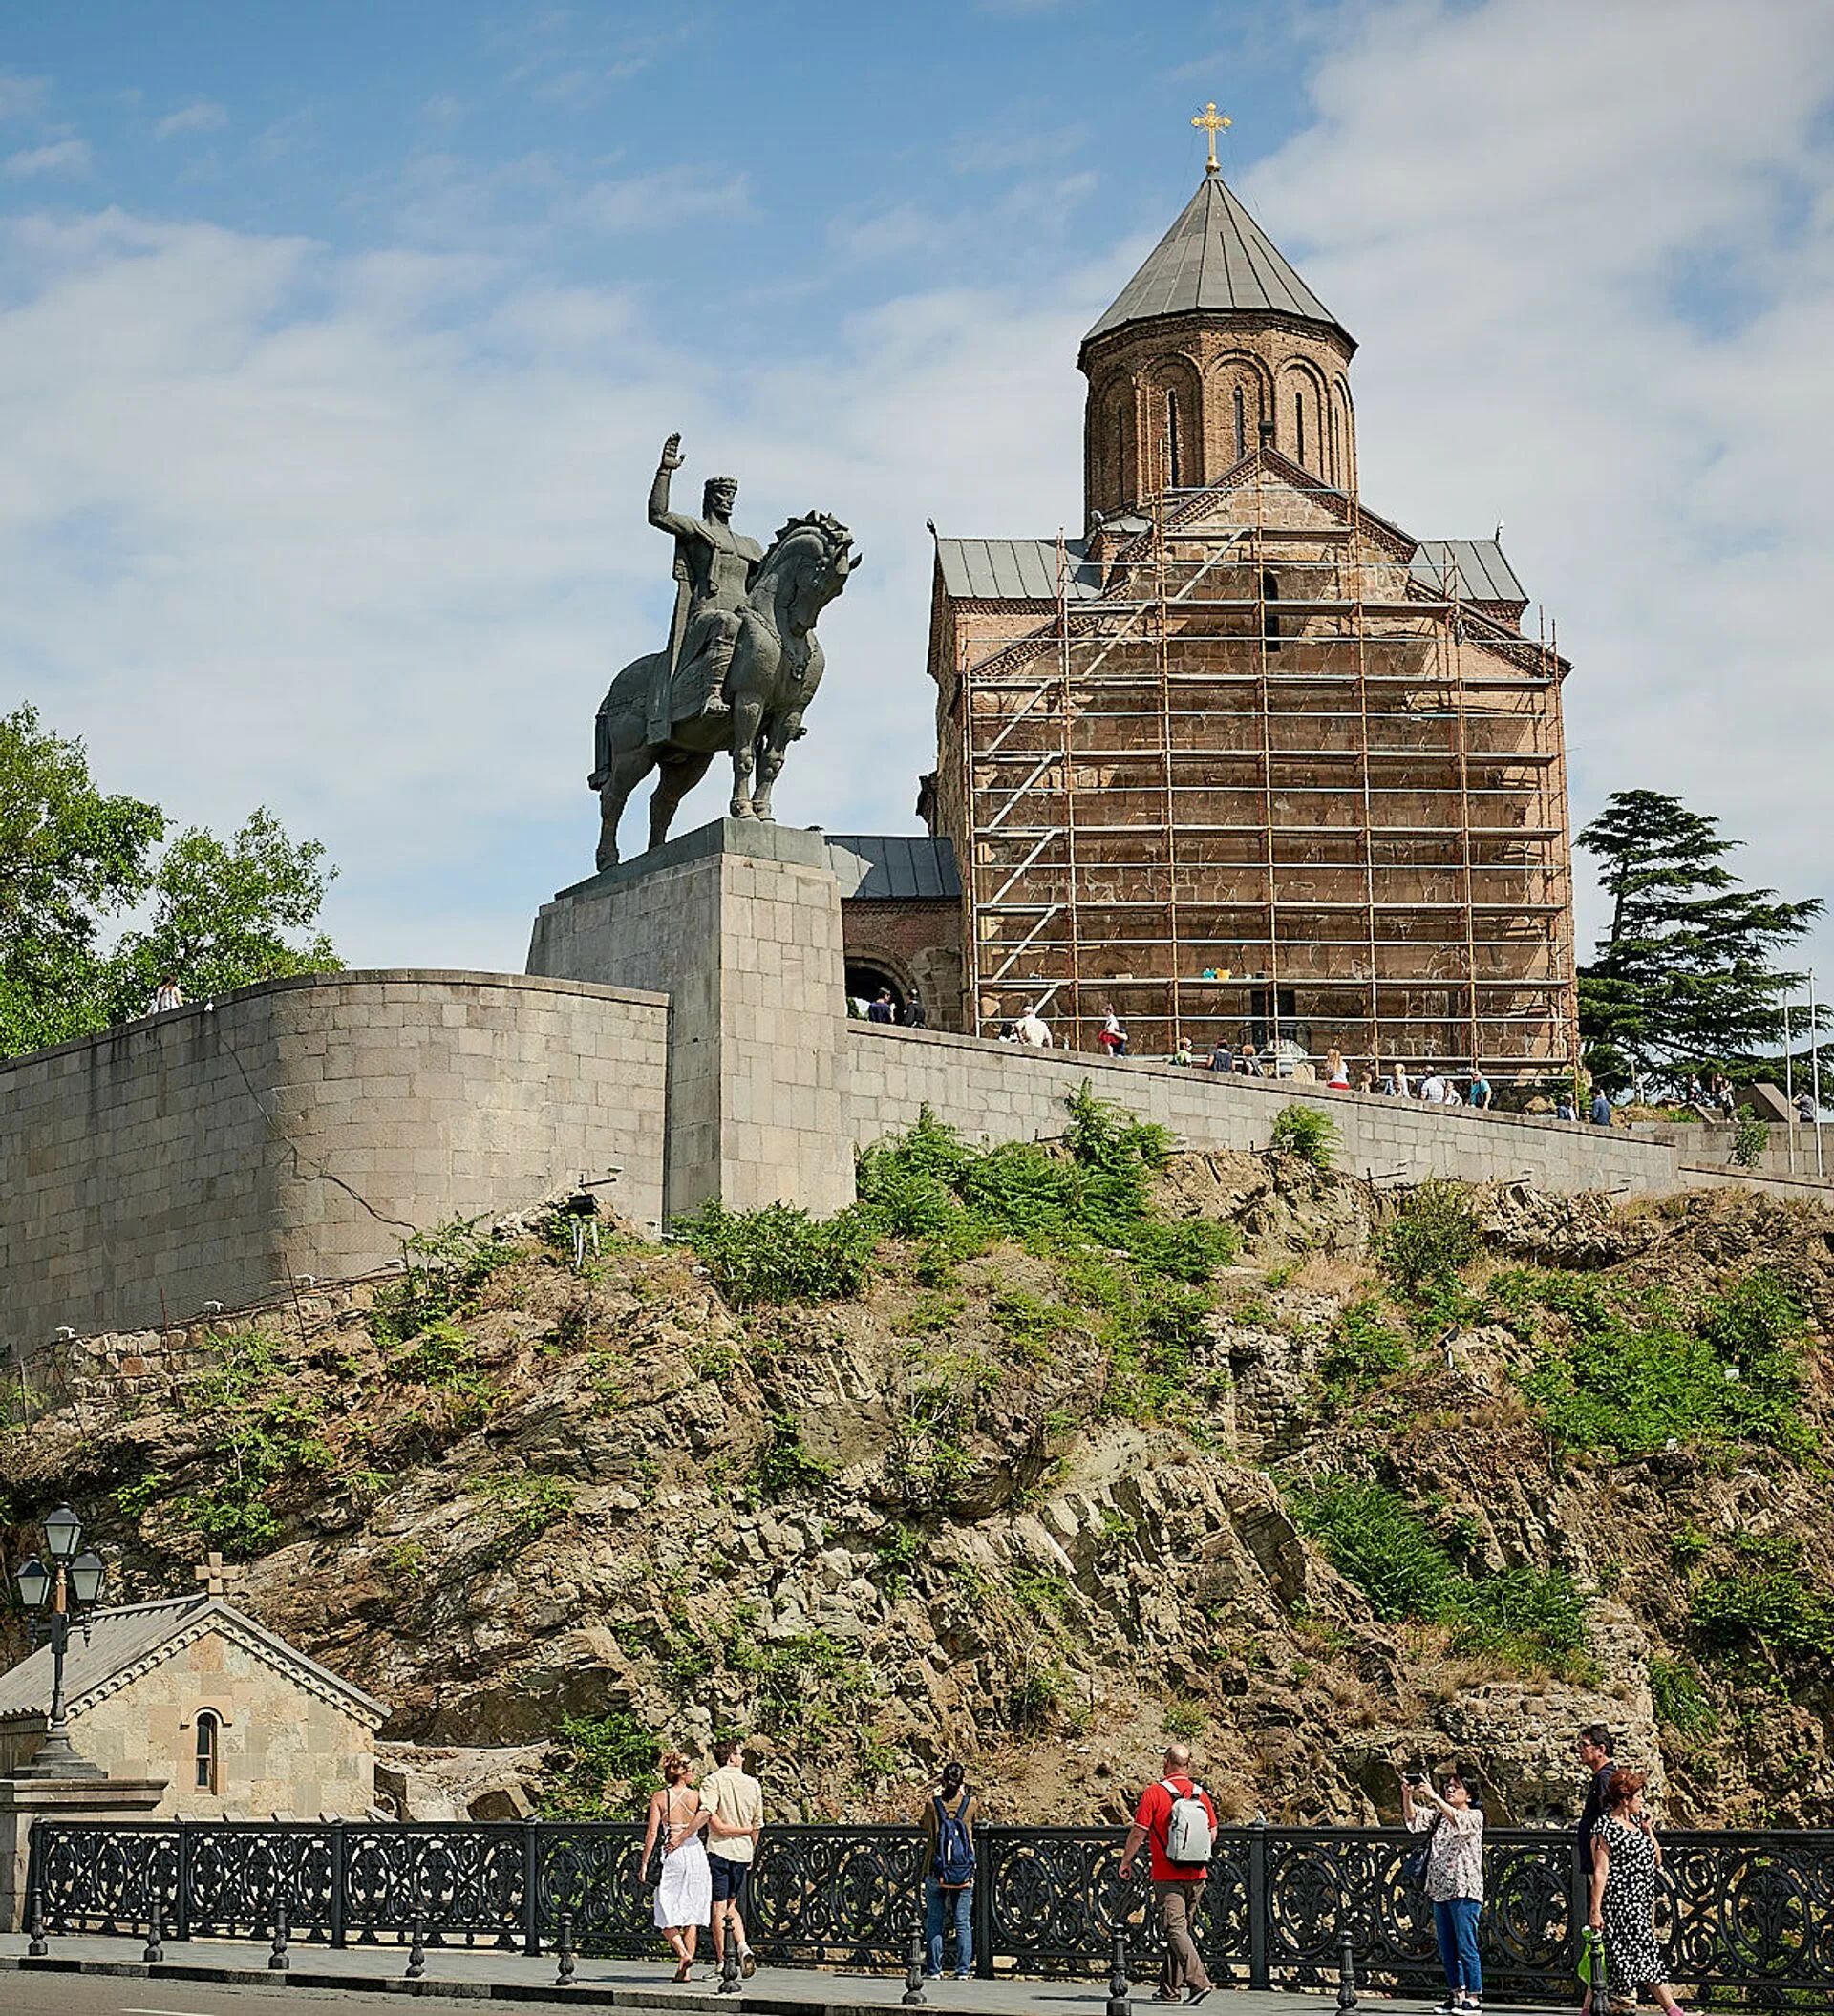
(237, 1723)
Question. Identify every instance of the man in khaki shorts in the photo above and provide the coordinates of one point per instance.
(735, 1800)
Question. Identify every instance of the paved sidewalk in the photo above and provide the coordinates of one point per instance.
(485, 1973)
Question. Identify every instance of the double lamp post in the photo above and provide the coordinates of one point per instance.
(71, 1586)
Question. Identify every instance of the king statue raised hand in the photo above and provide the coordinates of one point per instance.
(714, 567)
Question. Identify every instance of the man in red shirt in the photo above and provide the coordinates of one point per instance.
(1176, 1886)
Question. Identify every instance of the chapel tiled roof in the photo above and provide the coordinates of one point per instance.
(1015, 569)
(118, 1638)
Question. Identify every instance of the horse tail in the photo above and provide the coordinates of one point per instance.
(628, 695)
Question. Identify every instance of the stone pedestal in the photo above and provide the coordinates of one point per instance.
(88, 1800)
(740, 923)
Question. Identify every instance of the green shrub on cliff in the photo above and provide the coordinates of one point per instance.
(1624, 1369)
(1373, 1538)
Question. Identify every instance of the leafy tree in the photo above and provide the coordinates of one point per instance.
(70, 856)
(1684, 978)
(221, 912)
(75, 860)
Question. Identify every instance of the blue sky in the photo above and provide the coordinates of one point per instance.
(336, 344)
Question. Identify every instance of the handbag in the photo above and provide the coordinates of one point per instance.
(1413, 1866)
(650, 1875)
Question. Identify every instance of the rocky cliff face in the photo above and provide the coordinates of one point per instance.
(1351, 1478)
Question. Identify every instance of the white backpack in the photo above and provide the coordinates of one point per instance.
(1189, 1836)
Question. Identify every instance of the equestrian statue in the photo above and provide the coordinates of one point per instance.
(741, 664)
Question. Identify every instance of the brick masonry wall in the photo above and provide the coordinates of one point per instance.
(305, 1125)
(1003, 1093)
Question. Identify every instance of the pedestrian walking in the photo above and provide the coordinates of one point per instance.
(1182, 1053)
(736, 1801)
(1336, 1071)
(1434, 1090)
(950, 1814)
(1222, 1057)
(1564, 1106)
(1247, 1065)
(1601, 1109)
(1113, 1038)
(1594, 1746)
(1625, 1856)
(1454, 1829)
(880, 1007)
(166, 996)
(1805, 1108)
(684, 1895)
(911, 1015)
(1480, 1093)
(1176, 1818)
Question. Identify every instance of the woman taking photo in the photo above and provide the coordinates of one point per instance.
(1626, 1855)
(1454, 1825)
(685, 1895)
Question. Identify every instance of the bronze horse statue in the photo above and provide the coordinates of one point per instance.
(775, 666)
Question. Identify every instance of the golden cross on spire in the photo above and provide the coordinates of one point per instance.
(1215, 121)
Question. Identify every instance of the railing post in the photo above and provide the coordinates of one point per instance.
(532, 1889)
(337, 1930)
(35, 1868)
(981, 1912)
(182, 1901)
(1260, 1931)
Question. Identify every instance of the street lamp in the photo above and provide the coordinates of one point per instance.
(71, 1585)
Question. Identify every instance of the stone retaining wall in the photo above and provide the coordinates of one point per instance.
(302, 1127)
(1002, 1091)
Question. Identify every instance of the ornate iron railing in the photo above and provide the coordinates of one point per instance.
(1747, 1919)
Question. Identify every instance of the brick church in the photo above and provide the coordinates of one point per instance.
(1246, 760)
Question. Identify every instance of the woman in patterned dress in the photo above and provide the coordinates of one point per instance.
(684, 1895)
(1626, 1855)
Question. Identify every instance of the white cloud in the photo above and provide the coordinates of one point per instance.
(20, 95)
(648, 203)
(56, 157)
(199, 118)
(1598, 304)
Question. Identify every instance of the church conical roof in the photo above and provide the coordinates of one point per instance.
(1214, 257)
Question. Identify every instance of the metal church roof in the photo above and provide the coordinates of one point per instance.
(1474, 569)
(1014, 569)
(894, 868)
(1214, 257)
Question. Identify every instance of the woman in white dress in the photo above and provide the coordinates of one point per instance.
(684, 1895)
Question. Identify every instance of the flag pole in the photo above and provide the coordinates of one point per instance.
(1815, 1065)
(1789, 1090)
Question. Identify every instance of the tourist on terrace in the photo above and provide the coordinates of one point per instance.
(911, 1015)
(881, 1008)
(166, 996)
(1480, 1093)
(1434, 1088)
(1626, 1855)
(1564, 1106)
(1182, 1053)
(684, 1895)
(1247, 1064)
(1601, 1109)
(736, 1799)
(1454, 1877)
(1805, 1108)
(1221, 1056)
(950, 1815)
(1336, 1071)
(1113, 1038)
(1033, 1029)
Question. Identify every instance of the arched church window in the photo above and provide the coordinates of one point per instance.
(1121, 443)
(1173, 472)
(1241, 425)
(210, 1728)
(1299, 428)
(1332, 471)
(1270, 595)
